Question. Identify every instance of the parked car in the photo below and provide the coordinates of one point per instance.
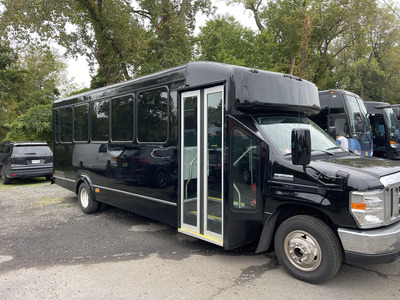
(24, 160)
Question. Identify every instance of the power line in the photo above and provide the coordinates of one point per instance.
(392, 9)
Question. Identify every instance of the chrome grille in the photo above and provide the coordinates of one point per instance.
(394, 200)
(392, 197)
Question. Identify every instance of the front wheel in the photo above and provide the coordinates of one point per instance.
(308, 249)
(86, 203)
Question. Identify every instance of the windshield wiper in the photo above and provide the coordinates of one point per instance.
(333, 148)
(326, 152)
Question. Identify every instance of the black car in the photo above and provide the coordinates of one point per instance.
(24, 160)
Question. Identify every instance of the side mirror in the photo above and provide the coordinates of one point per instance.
(301, 146)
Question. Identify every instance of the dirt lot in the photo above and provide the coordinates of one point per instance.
(49, 249)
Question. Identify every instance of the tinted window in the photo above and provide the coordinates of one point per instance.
(81, 123)
(245, 162)
(122, 118)
(56, 125)
(66, 124)
(32, 150)
(153, 115)
(336, 104)
(100, 120)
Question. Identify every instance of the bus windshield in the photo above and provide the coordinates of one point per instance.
(393, 126)
(359, 123)
(279, 129)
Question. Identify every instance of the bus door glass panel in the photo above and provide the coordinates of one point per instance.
(378, 131)
(190, 142)
(202, 164)
(213, 161)
(245, 162)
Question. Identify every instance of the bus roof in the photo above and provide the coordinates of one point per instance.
(254, 89)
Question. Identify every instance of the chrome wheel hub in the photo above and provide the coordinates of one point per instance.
(303, 250)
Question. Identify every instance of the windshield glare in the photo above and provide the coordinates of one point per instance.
(279, 129)
(393, 125)
(357, 115)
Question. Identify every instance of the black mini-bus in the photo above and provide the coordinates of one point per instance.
(227, 154)
(343, 116)
(385, 129)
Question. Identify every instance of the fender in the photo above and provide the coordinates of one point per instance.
(267, 232)
(85, 178)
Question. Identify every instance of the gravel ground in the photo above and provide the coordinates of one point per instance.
(49, 249)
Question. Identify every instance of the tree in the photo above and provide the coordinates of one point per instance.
(122, 39)
(11, 79)
(26, 80)
(350, 44)
(34, 125)
(223, 39)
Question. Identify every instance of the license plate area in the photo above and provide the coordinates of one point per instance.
(35, 161)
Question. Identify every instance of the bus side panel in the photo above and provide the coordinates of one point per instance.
(165, 212)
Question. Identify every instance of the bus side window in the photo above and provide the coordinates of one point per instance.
(152, 116)
(66, 125)
(100, 111)
(81, 123)
(245, 162)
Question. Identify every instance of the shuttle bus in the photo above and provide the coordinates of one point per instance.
(344, 116)
(227, 155)
(385, 129)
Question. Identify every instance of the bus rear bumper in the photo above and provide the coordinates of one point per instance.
(374, 246)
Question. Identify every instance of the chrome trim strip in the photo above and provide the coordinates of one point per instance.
(136, 195)
(66, 179)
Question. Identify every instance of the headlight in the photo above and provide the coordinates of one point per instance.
(368, 208)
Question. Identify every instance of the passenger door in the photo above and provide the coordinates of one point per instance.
(202, 140)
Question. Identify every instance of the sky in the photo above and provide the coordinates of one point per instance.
(79, 69)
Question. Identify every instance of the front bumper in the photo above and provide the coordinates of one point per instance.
(373, 246)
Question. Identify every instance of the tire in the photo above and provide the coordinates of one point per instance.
(301, 234)
(48, 177)
(4, 179)
(86, 203)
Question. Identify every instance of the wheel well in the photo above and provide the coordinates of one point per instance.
(78, 184)
(291, 210)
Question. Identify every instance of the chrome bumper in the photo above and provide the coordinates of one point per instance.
(371, 246)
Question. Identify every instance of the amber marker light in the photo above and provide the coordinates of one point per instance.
(361, 206)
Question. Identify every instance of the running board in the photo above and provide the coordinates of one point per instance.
(201, 236)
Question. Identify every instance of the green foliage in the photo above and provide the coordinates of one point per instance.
(34, 125)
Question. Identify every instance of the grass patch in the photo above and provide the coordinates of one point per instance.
(49, 201)
(24, 182)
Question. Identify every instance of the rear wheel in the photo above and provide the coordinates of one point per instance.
(4, 179)
(308, 249)
(86, 203)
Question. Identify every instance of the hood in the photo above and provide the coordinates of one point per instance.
(364, 172)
